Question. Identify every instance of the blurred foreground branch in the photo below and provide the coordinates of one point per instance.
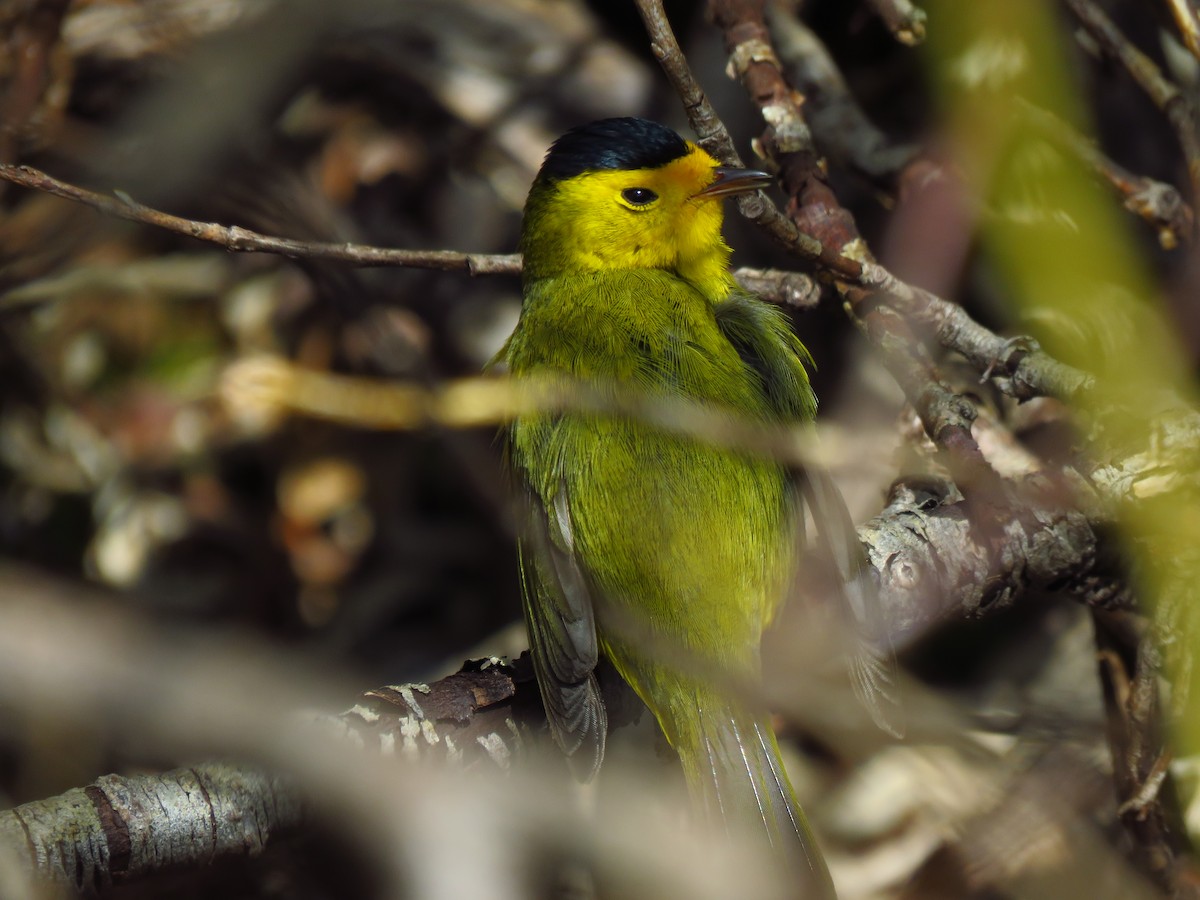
(124, 828)
(932, 559)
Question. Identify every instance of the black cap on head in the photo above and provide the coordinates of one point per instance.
(626, 143)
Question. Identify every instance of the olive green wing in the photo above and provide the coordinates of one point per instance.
(764, 340)
(559, 613)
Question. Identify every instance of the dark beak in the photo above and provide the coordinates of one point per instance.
(729, 181)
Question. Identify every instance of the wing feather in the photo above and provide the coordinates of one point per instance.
(559, 611)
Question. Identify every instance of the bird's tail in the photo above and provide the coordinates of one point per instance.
(733, 768)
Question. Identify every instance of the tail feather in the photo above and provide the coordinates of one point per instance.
(735, 770)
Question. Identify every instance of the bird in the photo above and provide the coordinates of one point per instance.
(661, 553)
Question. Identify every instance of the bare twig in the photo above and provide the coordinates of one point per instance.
(1178, 108)
(1019, 368)
(776, 285)
(753, 62)
(711, 132)
(945, 415)
(232, 237)
(780, 286)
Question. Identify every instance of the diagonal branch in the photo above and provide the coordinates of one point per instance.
(1023, 374)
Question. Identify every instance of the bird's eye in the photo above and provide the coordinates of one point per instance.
(639, 196)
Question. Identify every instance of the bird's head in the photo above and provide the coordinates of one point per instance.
(631, 194)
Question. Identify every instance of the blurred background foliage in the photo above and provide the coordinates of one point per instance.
(420, 125)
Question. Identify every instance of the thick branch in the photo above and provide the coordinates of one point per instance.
(122, 828)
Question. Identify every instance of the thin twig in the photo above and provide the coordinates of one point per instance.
(711, 132)
(781, 287)
(235, 238)
(1176, 105)
(714, 137)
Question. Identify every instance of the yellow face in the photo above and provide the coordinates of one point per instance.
(633, 219)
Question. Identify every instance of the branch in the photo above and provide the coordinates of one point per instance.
(486, 715)
(1188, 21)
(776, 285)
(243, 240)
(1176, 105)
(122, 828)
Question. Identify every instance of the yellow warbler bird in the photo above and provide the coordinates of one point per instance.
(667, 555)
